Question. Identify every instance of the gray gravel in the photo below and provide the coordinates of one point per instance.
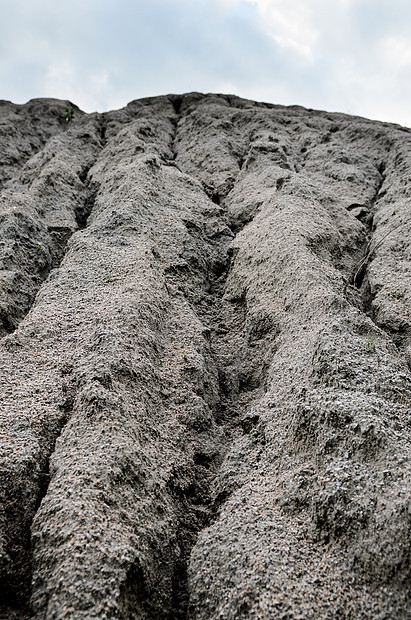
(204, 362)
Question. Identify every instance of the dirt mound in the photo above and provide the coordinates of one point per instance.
(205, 345)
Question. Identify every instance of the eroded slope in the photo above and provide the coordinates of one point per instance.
(206, 410)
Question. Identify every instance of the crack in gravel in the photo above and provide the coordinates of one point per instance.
(223, 323)
(365, 214)
(36, 222)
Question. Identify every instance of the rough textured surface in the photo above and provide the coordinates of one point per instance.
(205, 362)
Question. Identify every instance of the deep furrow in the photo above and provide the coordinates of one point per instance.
(43, 207)
(39, 212)
(236, 351)
(223, 323)
(18, 514)
(397, 329)
(37, 216)
(365, 214)
(389, 254)
(38, 224)
(25, 130)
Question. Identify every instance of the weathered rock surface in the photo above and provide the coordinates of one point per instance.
(205, 322)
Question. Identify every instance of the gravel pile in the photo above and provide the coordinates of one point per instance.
(205, 352)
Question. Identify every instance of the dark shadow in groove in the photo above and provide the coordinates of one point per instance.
(83, 212)
(280, 183)
(215, 197)
(103, 132)
(15, 586)
(359, 277)
(213, 194)
(55, 246)
(170, 161)
(180, 591)
(192, 503)
(6, 325)
(381, 168)
(83, 175)
(365, 214)
(134, 598)
(234, 382)
(176, 101)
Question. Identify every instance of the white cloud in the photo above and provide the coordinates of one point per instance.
(225, 5)
(290, 24)
(396, 53)
(63, 78)
(297, 25)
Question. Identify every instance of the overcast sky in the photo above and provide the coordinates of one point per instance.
(350, 56)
